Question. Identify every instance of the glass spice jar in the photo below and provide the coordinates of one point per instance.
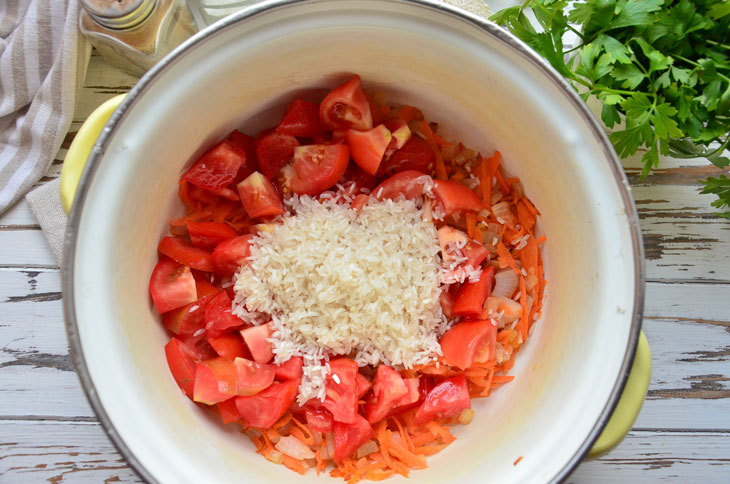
(133, 35)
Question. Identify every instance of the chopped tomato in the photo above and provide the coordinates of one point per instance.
(411, 184)
(400, 132)
(228, 411)
(447, 302)
(229, 346)
(218, 167)
(445, 400)
(319, 419)
(410, 400)
(182, 361)
(363, 385)
(291, 369)
(455, 196)
(388, 388)
(218, 316)
(229, 255)
(180, 250)
(215, 381)
(257, 340)
(252, 377)
(349, 437)
(415, 154)
(346, 107)
(359, 202)
(188, 319)
(474, 252)
(470, 299)
(368, 147)
(207, 235)
(301, 119)
(359, 177)
(172, 285)
(273, 151)
(248, 145)
(468, 342)
(259, 197)
(341, 390)
(266, 407)
(318, 167)
(204, 288)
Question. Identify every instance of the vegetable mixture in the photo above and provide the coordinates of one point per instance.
(362, 412)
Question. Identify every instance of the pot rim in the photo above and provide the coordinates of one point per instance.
(492, 29)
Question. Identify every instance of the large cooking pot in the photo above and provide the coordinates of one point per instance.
(483, 87)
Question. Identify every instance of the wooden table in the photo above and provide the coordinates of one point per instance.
(48, 432)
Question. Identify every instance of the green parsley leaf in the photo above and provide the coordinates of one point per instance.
(636, 12)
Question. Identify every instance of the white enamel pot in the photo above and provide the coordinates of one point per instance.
(483, 87)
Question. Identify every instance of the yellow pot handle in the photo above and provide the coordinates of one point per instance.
(630, 402)
(78, 152)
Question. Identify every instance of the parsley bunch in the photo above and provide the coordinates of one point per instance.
(661, 65)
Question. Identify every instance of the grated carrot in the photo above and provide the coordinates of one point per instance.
(433, 143)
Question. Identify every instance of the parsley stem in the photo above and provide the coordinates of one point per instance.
(724, 46)
(691, 62)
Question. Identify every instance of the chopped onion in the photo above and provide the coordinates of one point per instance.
(502, 211)
(366, 449)
(531, 280)
(317, 436)
(505, 283)
(495, 197)
(329, 449)
(503, 310)
(448, 152)
(274, 456)
(518, 189)
(294, 447)
(465, 416)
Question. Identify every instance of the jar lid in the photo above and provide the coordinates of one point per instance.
(119, 14)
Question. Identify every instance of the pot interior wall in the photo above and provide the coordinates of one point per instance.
(479, 91)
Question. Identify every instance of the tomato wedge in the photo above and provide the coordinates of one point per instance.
(273, 151)
(252, 377)
(257, 340)
(229, 255)
(346, 107)
(172, 285)
(318, 167)
(259, 197)
(229, 346)
(207, 235)
(368, 147)
(248, 145)
(228, 411)
(218, 316)
(415, 154)
(215, 381)
(411, 184)
(455, 196)
(291, 369)
(468, 342)
(181, 251)
(349, 437)
(341, 390)
(388, 388)
(218, 167)
(363, 385)
(266, 407)
(182, 361)
(188, 319)
(470, 299)
(474, 252)
(355, 174)
(301, 119)
(319, 419)
(447, 399)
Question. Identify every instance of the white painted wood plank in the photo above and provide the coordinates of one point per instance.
(25, 248)
(18, 215)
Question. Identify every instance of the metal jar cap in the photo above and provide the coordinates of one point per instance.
(119, 14)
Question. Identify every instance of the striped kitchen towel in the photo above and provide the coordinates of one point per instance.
(43, 60)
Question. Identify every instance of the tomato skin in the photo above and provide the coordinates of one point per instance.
(228, 411)
(415, 154)
(359, 202)
(470, 299)
(291, 369)
(215, 381)
(229, 255)
(363, 385)
(273, 151)
(188, 319)
(301, 119)
(266, 407)
(229, 346)
(218, 316)
(259, 197)
(207, 235)
(248, 145)
(172, 285)
(341, 399)
(411, 184)
(368, 147)
(252, 377)
(447, 302)
(256, 338)
(445, 400)
(455, 196)
(346, 107)
(319, 419)
(318, 167)
(388, 388)
(217, 168)
(205, 288)
(182, 361)
(469, 341)
(181, 251)
(349, 437)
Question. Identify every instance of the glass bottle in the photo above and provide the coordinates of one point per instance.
(133, 35)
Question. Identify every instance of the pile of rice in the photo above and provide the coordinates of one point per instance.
(335, 282)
